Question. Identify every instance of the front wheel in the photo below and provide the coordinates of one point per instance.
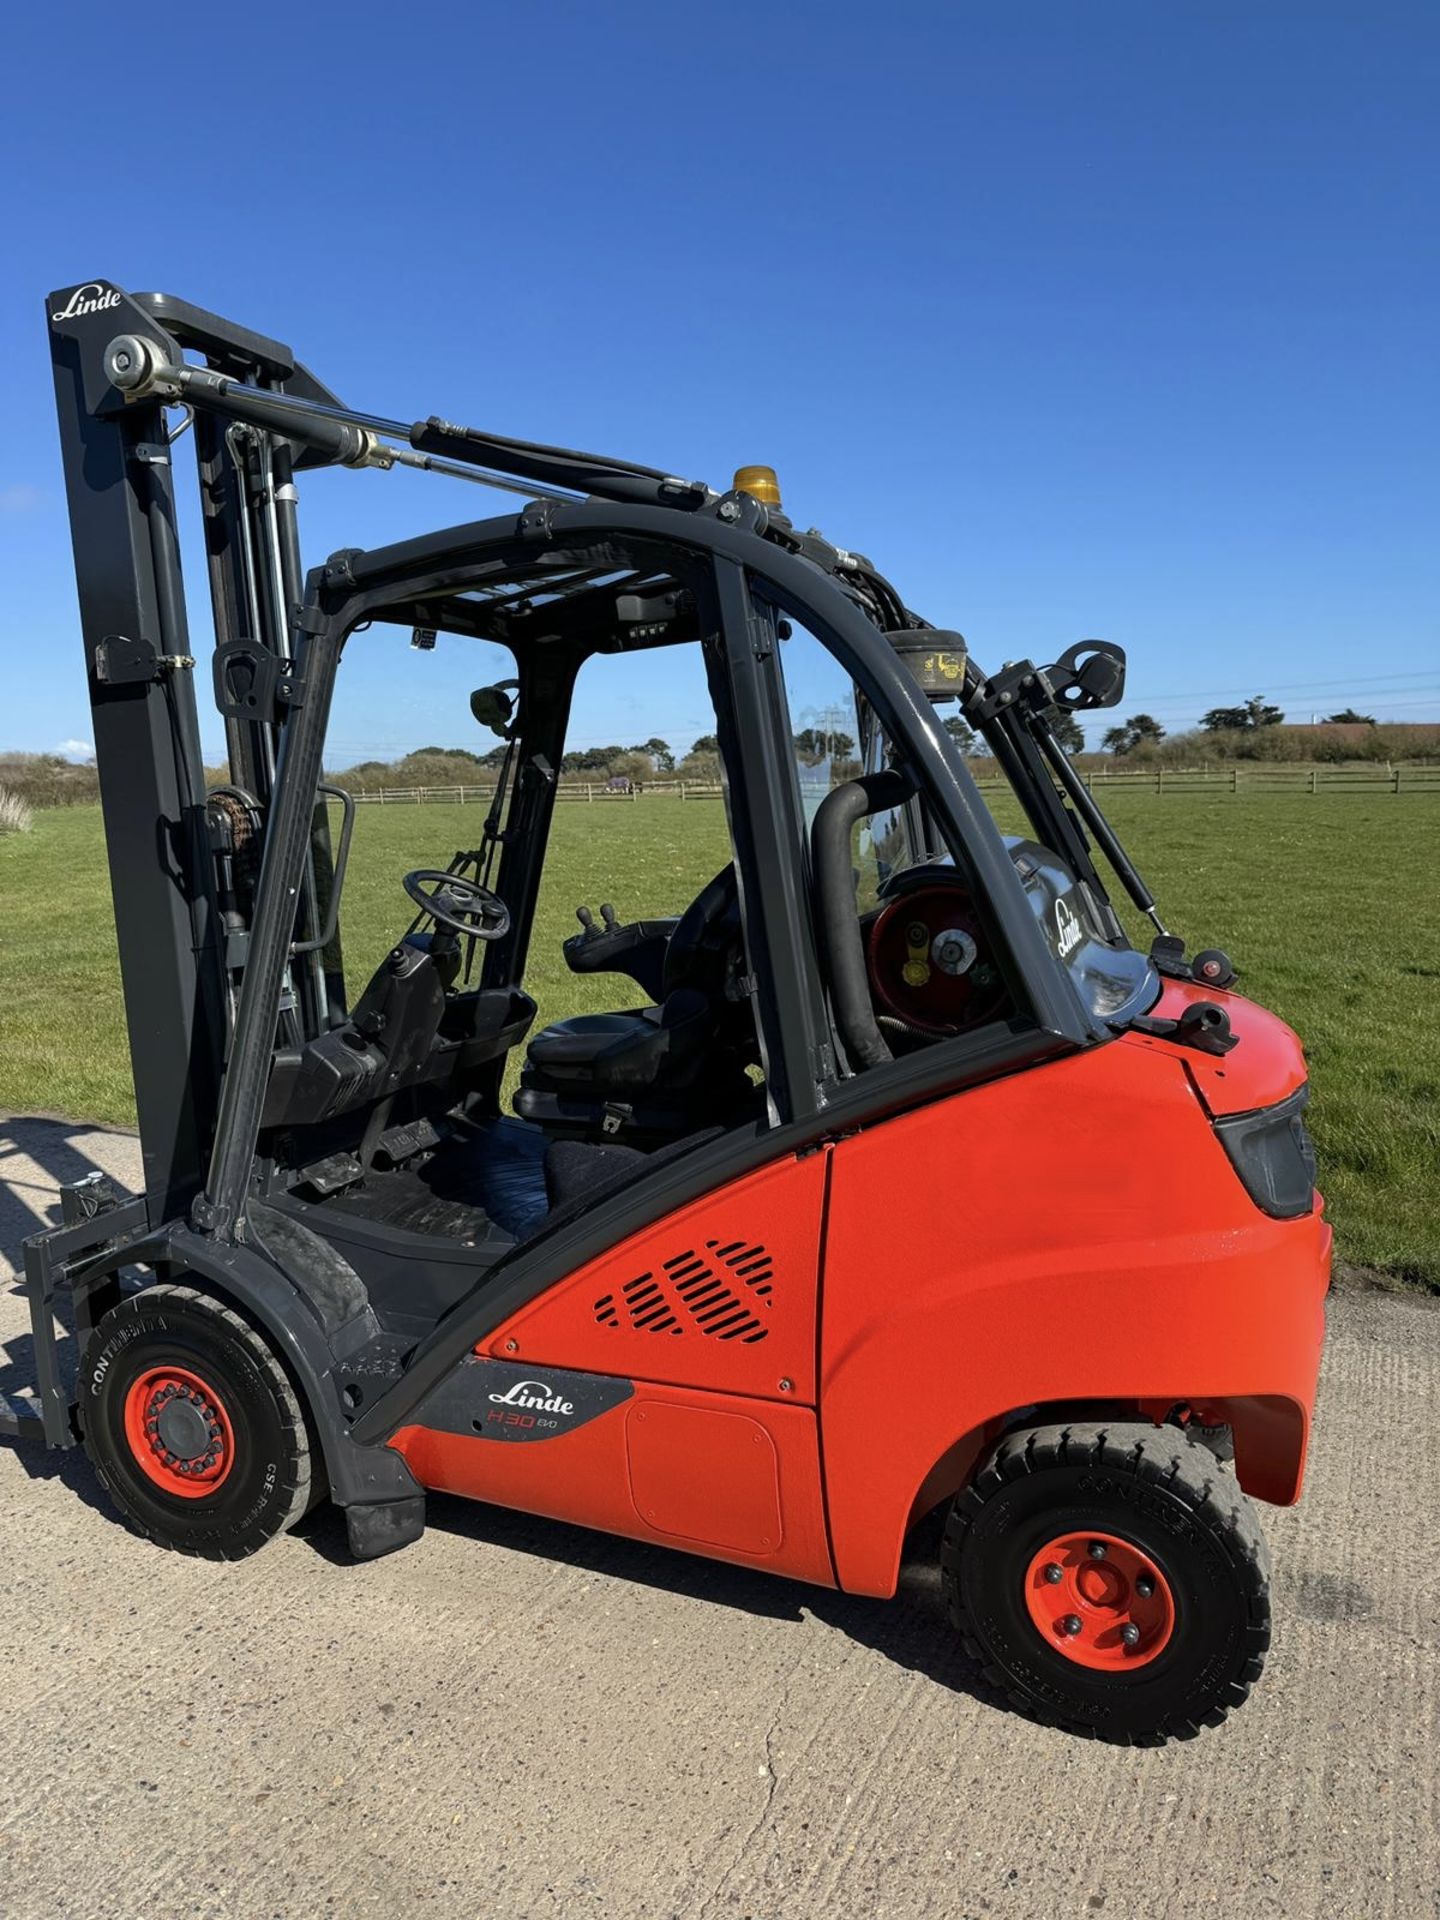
(192, 1424)
(1112, 1580)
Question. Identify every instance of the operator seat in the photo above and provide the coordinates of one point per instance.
(649, 1074)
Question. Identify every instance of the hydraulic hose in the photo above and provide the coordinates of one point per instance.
(137, 366)
(837, 921)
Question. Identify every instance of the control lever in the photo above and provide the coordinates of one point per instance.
(607, 914)
(587, 923)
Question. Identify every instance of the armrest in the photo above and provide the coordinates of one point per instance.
(637, 950)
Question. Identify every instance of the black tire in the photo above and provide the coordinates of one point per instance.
(267, 1485)
(1167, 1497)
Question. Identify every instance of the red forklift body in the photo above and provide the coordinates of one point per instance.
(894, 1179)
(984, 1255)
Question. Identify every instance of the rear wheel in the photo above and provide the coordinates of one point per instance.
(192, 1424)
(1111, 1579)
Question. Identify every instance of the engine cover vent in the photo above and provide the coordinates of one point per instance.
(723, 1292)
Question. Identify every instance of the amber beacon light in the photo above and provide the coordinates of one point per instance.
(759, 482)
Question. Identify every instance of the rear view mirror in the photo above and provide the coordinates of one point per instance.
(493, 707)
(1089, 674)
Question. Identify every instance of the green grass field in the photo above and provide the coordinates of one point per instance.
(1328, 905)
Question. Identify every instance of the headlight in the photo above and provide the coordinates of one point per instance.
(1271, 1152)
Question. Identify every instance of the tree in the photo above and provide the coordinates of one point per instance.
(961, 732)
(702, 768)
(1256, 712)
(592, 760)
(444, 753)
(636, 766)
(1348, 717)
(1140, 730)
(814, 744)
(707, 743)
(1068, 731)
(660, 752)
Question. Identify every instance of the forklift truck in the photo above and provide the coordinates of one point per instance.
(909, 1184)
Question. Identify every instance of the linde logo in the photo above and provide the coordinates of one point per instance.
(1068, 930)
(93, 297)
(534, 1394)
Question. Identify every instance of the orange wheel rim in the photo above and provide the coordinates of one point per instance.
(178, 1432)
(1100, 1601)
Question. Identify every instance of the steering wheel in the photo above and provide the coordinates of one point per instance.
(699, 949)
(460, 905)
(927, 960)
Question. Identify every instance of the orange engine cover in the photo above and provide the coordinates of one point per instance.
(721, 1294)
(710, 1478)
(1071, 1234)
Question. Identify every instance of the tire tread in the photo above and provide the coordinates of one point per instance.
(292, 1420)
(1162, 1456)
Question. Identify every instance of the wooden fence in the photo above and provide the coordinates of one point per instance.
(1254, 777)
(593, 792)
(1235, 778)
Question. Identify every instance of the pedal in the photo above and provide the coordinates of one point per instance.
(331, 1175)
(401, 1143)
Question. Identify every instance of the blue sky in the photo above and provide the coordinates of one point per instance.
(1114, 320)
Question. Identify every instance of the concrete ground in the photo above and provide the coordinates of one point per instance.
(515, 1718)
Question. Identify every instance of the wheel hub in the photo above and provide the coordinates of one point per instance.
(1099, 1601)
(182, 1428)
(178, 1431)
(1101, 1586)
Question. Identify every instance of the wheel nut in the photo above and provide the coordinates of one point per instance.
(1130, 1634)
(1145, 1586)
(1098, 1549)
(1053, 1574)
(1070, 1624)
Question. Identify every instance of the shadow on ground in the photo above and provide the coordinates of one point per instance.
(912, 1630)
(39, 1154)
(27, 1200)
(36, 1157)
